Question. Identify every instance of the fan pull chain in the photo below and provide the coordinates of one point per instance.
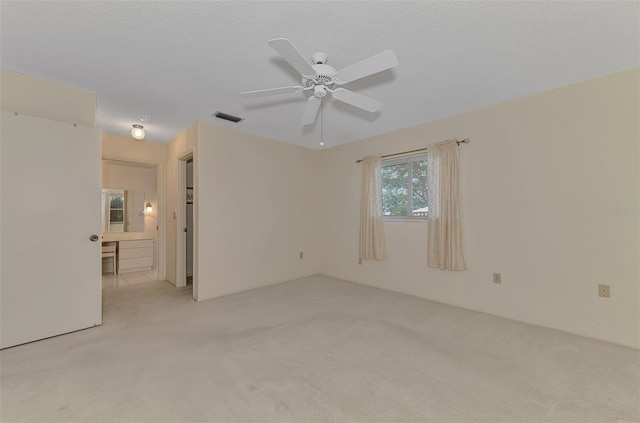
(321, 126)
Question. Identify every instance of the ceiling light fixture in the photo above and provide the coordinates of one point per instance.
(137, 132)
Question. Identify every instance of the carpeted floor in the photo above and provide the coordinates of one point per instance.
(313, 350)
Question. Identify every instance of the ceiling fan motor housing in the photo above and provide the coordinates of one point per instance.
(324, 76)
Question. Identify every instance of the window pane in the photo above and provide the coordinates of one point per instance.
(419, 188)
(116, 216)
(395, 190)
(117, 201)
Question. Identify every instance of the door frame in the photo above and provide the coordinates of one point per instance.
(161, 208)
(181, 222)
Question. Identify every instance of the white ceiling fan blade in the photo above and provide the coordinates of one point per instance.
(357, 100)
(292, 55)
(311, 110)
(374, 64)
(271, 91)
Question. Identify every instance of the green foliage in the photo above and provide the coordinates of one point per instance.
(395, 190)
(401, 181)
(419, 184)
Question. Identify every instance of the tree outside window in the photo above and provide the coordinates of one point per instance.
(404, 187)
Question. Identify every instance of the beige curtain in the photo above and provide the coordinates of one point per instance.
(372, 240)
(444, 231)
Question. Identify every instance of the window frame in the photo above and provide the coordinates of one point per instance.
(408, 159)
(111, 195)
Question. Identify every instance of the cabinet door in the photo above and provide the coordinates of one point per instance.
(50, 279)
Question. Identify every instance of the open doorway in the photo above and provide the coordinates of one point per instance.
(132, 230)
(189, 223)
(186, 225)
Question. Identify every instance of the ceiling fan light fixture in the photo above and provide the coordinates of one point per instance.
(319, 91)
(137, 132)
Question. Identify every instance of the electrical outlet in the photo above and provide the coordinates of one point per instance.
(497, 278)
(301, 254)
(604, 291)
(359, 260)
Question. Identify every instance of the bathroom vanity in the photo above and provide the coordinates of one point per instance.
(133, 255)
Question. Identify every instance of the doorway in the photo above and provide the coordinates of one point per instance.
(131, 221)
(186, 274)
(189, 223)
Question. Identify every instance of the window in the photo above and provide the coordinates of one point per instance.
(404, 188)
(116, 208)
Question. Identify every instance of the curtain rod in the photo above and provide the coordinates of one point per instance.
(464, 141)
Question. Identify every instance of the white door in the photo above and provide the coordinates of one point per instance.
(50, 181)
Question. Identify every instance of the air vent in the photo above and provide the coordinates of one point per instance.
(225, 116)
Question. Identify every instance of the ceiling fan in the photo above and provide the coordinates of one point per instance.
(320, 78)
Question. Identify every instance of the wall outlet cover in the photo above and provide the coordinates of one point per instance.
(497, 278)
(604, 291)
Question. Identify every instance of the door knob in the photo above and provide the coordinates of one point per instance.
(94, 238)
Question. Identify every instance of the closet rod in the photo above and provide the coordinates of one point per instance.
(464, 141)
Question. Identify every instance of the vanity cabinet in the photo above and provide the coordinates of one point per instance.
(135, 255)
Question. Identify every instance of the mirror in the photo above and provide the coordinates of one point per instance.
(122, 210)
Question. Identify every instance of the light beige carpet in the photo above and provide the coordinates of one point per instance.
(316, 349)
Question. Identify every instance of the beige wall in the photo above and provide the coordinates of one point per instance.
(257, 202)
(537, 178)
(129, 176)
(131, 150)
(39, 98)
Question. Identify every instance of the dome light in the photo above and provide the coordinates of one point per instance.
(137, 132)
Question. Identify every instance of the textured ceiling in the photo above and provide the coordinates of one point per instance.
(179, 62)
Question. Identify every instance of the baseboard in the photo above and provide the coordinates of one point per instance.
(568, 332)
